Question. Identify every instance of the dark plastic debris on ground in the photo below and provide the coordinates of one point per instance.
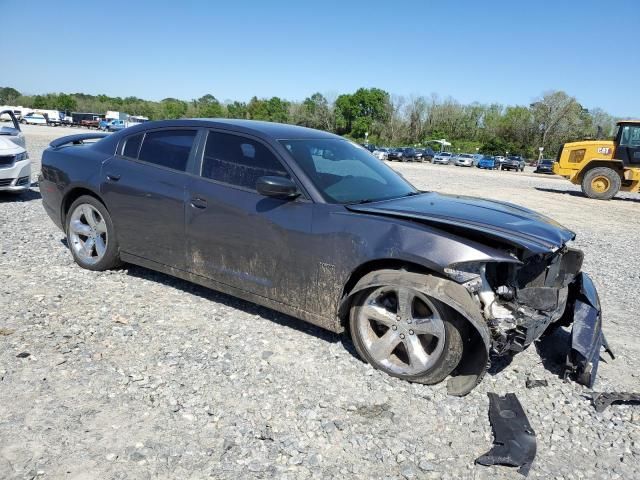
(514, 439)
(602, 400)
(534, 383)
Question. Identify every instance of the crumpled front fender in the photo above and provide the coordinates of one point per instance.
(475, 357)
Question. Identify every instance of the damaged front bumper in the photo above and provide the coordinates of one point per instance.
(584, 311)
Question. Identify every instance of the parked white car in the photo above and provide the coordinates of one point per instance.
(15, 165)
(442, 157)
(34, 119)
(381, 153)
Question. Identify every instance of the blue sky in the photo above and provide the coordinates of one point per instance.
(488, 51)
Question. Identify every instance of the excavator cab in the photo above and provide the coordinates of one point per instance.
(604, 167)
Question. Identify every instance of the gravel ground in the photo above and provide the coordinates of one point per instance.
(133, 374)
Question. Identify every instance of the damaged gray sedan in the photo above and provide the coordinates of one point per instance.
(312, 225)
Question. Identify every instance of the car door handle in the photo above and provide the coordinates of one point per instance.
(198, 202)
(112, 177)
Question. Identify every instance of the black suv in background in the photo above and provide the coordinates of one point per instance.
(423, 154)
(544, 166)
(409, 154)
(513, 162)
(396, 154)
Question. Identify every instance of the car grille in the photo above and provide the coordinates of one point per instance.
(5, 182)
(7, 160)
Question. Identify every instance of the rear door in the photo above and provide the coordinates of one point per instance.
(237, 236)
(144, 186)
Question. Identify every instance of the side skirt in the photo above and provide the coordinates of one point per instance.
(333, 325)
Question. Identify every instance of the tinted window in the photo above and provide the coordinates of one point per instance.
(168, 148)
(131, 146)
(238, 160)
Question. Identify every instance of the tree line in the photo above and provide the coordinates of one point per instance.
(551, 120)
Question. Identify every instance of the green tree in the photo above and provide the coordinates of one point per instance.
(8, 95)
(237, 110)
(356, 113)
(208, 106)
(172, 108)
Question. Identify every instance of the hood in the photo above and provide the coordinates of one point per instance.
(8, 147)
(511, 223)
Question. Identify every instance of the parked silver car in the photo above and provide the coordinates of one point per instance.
(463, 160)
(443, 158)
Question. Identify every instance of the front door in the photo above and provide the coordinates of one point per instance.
(144, 187)
(239, 237)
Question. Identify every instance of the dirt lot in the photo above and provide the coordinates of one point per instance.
(134, 375)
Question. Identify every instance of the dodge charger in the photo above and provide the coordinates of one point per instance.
(312, 225)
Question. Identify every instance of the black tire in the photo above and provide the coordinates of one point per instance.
(111, 257)
(605, 176)
(445, 364)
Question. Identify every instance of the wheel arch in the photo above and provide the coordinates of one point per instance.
(475, 357)
(614, 165)
(72, 195)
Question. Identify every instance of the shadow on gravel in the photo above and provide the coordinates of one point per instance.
(499, 363)
(576, 193)
(553, 349)
(233, 302)
(29, 195)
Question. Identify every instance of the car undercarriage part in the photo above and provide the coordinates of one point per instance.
(602, 400)
(587, 338)
(514, 439)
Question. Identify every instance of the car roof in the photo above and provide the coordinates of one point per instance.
(269, 131)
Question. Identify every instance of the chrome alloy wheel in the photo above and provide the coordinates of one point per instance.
(401, 330)
(88, 233)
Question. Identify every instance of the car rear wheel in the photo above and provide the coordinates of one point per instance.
(91, 236)
(601, 183)
(406, 333)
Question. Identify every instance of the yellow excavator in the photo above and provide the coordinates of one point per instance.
(604, 167)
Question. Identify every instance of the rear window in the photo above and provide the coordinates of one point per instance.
(168, 148)
(132, 146)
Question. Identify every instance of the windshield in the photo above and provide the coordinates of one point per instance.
(345, 173)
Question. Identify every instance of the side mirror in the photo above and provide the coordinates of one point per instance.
(277, 187)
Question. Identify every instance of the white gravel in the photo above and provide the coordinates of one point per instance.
(133, 374)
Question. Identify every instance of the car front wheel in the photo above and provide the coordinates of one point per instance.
(406, 333)
(90, 235)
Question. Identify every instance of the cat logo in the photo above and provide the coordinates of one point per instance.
(604, 150)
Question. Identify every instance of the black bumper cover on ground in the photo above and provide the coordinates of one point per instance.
(587, 338)
(514, 439)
